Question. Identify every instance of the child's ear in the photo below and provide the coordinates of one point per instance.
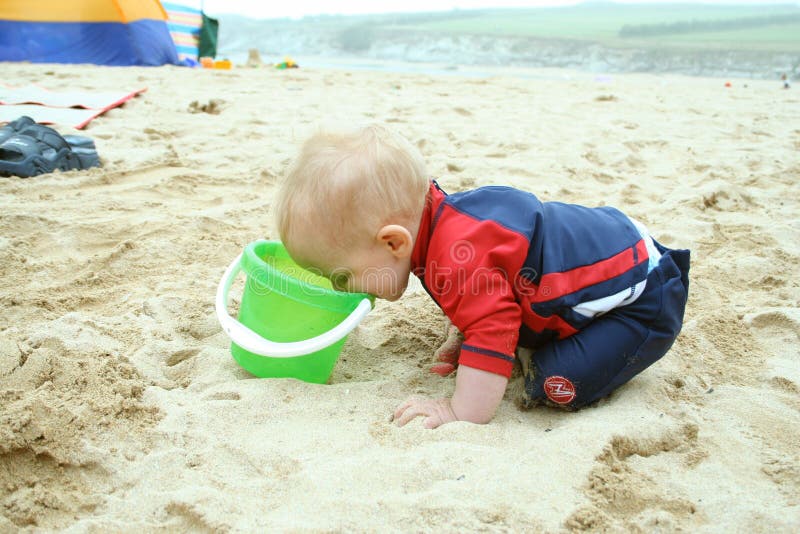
(397, 240)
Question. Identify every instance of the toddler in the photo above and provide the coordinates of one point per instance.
(584, 297)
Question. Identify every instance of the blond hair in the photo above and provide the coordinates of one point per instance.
(345, 185)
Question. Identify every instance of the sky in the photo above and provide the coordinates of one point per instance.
(300, 8)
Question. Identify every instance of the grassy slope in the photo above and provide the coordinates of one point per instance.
(601, 23)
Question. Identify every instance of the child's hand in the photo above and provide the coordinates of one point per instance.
(448, 352)
(436, 412)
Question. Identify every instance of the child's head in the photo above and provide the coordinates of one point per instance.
(350, 202)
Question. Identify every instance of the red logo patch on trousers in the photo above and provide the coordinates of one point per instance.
(559, 390)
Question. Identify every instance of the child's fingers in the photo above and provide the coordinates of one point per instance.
(449, 350)
(412, 411)
(433, 421)
(400, 409)
(442, 369)
(435, 412)
(398, 412)
(448, 354)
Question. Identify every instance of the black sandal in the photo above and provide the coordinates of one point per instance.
(38, 149)
(15, 127)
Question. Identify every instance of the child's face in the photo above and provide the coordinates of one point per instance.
(368, 269)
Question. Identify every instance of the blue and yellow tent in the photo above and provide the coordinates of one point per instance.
(104, 32)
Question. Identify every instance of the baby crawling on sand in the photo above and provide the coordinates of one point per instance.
(584, 297)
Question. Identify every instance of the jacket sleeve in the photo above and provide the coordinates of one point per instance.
(470, 275)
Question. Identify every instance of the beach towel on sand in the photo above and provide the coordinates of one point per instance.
(73, 108)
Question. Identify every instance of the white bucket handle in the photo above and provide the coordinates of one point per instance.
(253, 342)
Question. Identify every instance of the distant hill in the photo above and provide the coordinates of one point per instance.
(746, 40)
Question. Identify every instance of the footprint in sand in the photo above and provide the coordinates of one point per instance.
(179, 356)
(720, 195)
(785, 323)
(189, 518)
(622, 496)
(779, 330)
(180, 368)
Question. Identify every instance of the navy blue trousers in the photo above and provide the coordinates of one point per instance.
(615, 347)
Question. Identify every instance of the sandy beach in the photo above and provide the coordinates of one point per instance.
(122, 410)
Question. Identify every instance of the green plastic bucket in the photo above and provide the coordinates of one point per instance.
(291, 322)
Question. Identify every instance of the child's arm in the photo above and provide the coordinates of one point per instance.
(477, 395)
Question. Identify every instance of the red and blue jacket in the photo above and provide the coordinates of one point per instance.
(507, 269)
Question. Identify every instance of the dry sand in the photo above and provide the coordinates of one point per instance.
(122, 410)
